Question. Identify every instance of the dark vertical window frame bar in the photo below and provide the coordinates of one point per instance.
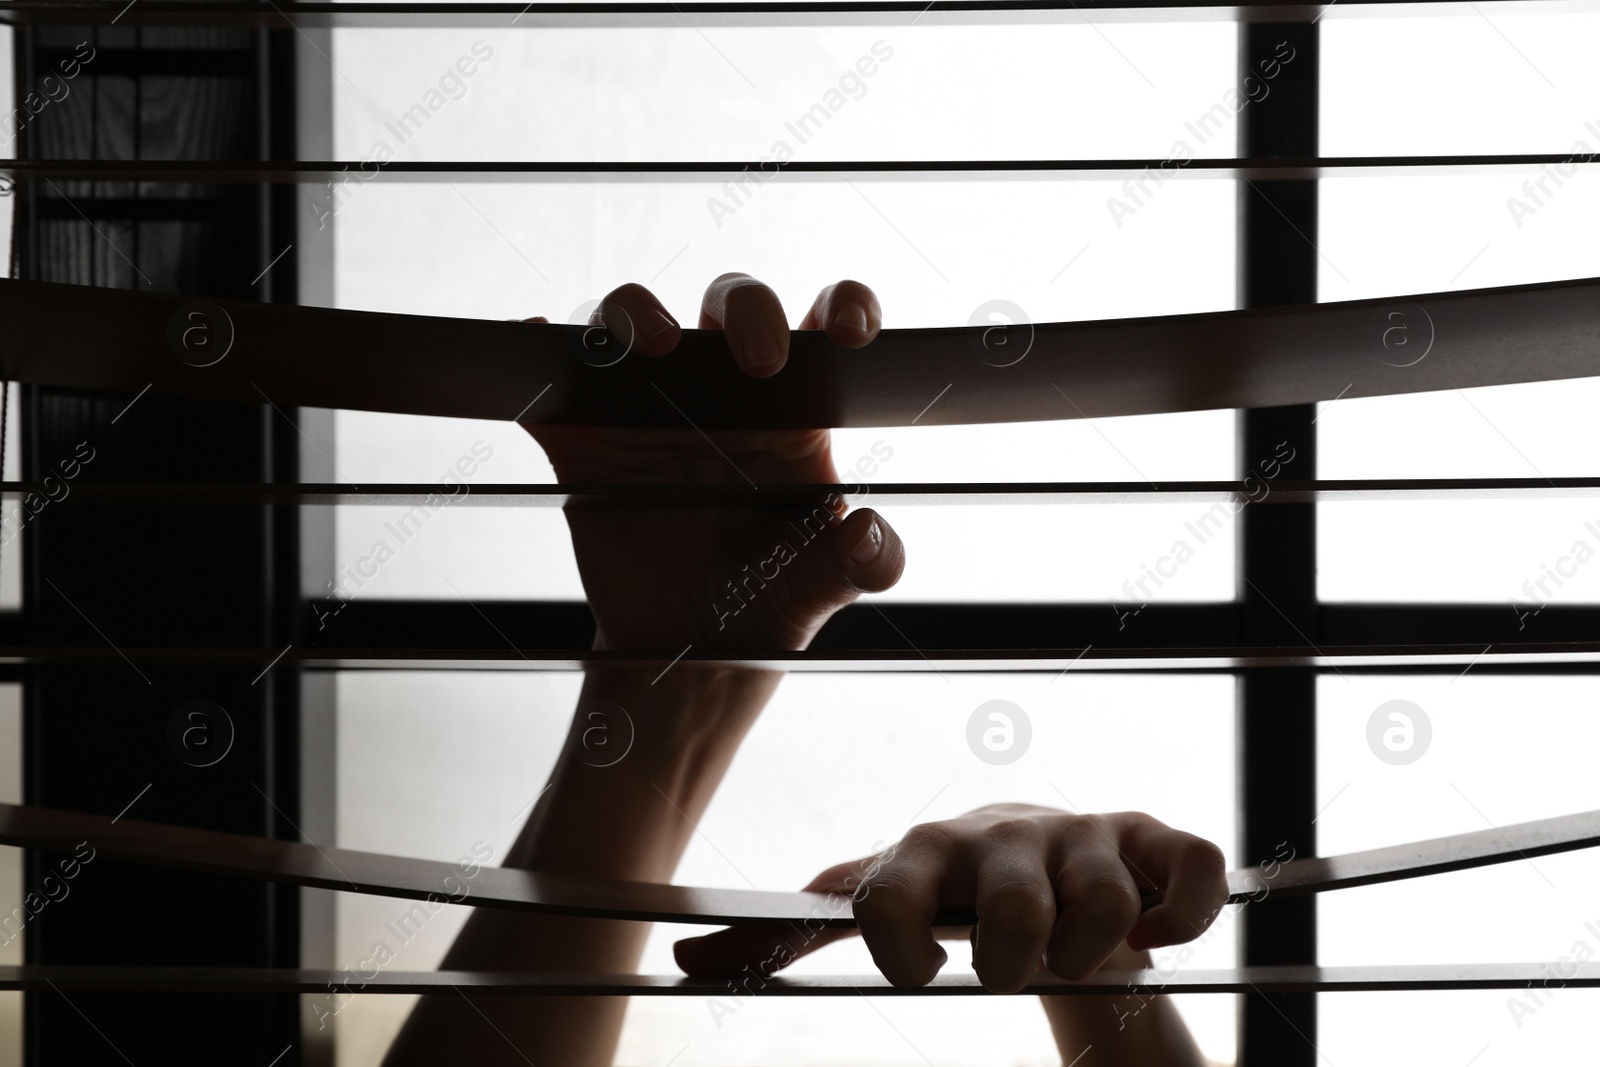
(278, 282)
(95, 738)
(302, 65)
(1277, 708)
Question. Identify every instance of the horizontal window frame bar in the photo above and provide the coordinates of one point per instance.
(139, 209)
(565, 628)
(568, 624)
(1452, 623)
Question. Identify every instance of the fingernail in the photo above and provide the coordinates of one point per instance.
(870, 545)
(657, 322)
(762, 351)
(853, 316)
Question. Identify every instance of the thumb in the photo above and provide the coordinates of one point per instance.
(767, 949)
(859, 554)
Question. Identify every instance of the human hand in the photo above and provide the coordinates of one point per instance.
(660, 576)
(1047, 886)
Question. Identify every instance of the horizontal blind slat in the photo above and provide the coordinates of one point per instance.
(327, 867)
(1403, 978)
(1536, 656)
(779, 495)
(361, 172)
(433, 15)
(230, 350)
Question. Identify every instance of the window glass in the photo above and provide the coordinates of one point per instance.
(898, 756)
(1457, 754)
(1463, 79)
(1500, 83)
(1064, 87)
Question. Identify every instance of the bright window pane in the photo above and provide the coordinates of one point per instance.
(1467, 82)
(1492, 740)
(732, 93)
(1393, 236)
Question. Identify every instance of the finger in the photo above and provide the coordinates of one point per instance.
(632, 314)
(1016, 906)
(1191, 873)
(752, 321)
(894, 907)
(1099, 903)
(760, 950)
(848, 312)
(538, 318)
(764, 950)
(845, 558)
(874, 555)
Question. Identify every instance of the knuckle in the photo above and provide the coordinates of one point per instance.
(927, 837)
(1112, 823)
(1019, 831)
(1084, 828)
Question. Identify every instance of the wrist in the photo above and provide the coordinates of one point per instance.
(645, 753)
(684, 716)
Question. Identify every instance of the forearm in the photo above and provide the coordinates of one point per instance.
(631, 816)
(1123, 1029)
(629, 819)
